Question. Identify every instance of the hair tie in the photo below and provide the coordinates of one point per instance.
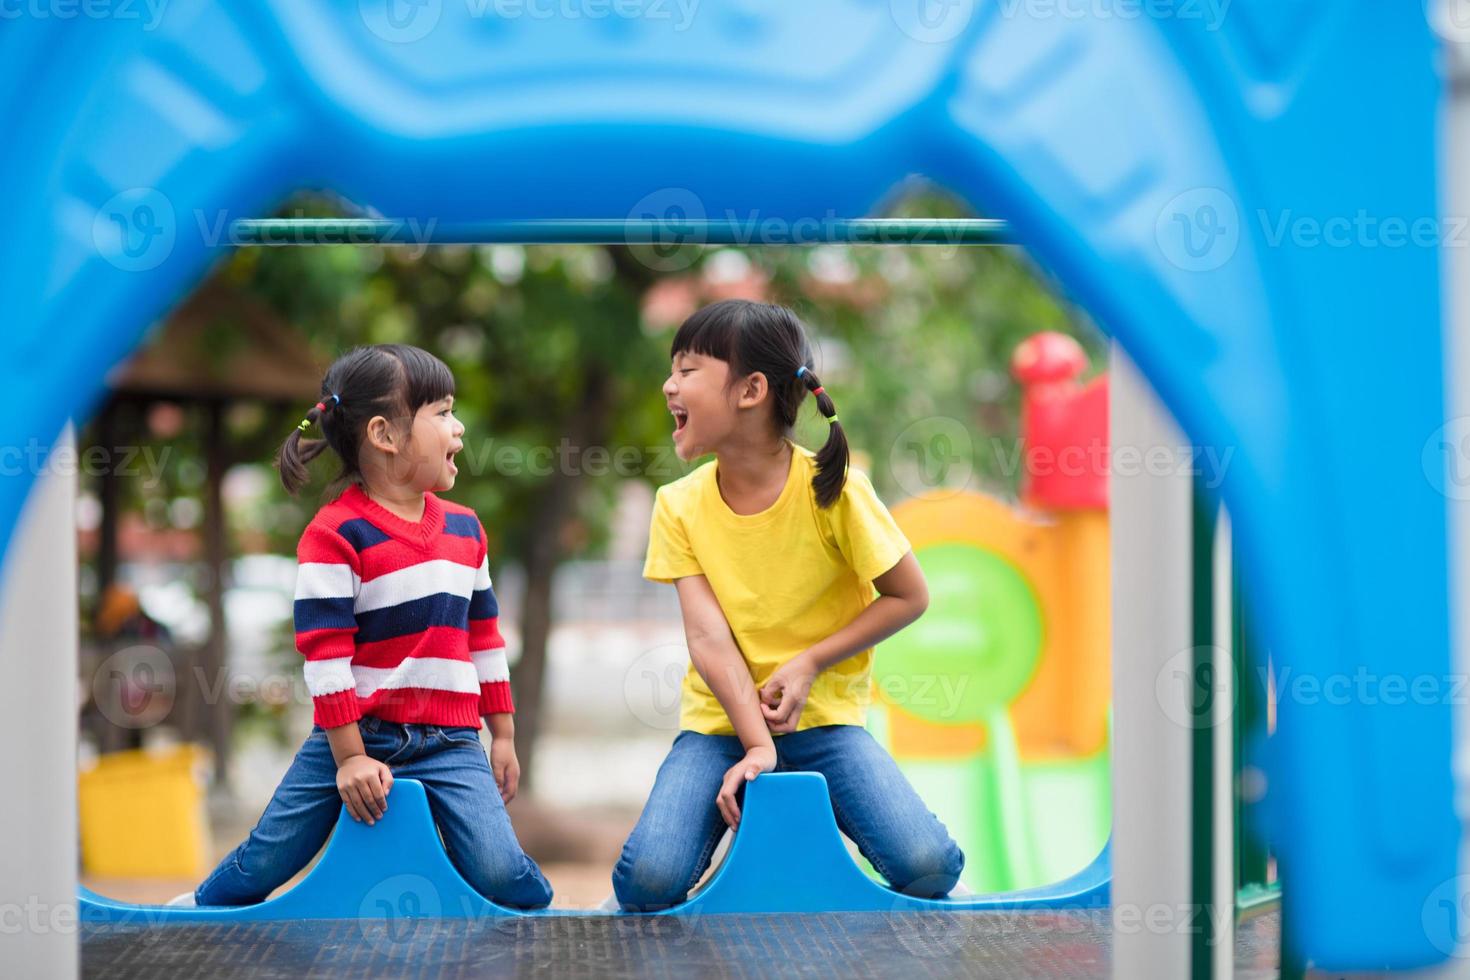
(831, 420)
(321, 407)
(801, 370)
(818, 390)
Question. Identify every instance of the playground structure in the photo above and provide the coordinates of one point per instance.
(397, 869)
(995, 704)
(1133, 158)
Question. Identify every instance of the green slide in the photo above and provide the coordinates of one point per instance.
(966, 661)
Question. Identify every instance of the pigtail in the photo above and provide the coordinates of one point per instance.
(391, 380)
(764, 337)
(832, 458)
(297, 450)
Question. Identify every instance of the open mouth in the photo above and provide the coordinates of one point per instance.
(681, 418)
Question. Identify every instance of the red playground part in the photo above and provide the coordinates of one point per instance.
(1064, 425)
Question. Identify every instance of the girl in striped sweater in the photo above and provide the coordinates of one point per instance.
(398, 623)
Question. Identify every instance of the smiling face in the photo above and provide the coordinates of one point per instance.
(703, 407)
(426, 460)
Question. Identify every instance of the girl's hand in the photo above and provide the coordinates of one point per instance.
(785, 693)
(363, 783)
(761, 758)
(505, 765)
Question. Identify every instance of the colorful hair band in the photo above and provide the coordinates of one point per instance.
(321, 406)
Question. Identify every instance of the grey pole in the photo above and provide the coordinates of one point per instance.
(38, 724)
(1452, 21)
(1223, 770)
(1151, 515)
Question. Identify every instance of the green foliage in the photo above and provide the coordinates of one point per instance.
(907, 337)
(911, 340)
(559, 377)
(525, 331)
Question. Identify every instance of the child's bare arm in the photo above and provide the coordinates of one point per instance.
(503, 762)
(362, 781)
(714, 654)
(902, 598)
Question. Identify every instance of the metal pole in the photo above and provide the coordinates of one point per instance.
(1220, 915)
(1450, 20)
(38, 714)
(1153, 685)
(653, 233)
(218, 712)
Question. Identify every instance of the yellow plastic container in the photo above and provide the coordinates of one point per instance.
(142, 814)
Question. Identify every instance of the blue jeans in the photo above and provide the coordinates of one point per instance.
(466, 804)
(874, 804)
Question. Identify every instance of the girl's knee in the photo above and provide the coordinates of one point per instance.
(530, 892)
(928, 868)
(516, 884)
(647, 885)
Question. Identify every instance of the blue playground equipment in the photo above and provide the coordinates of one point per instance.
(1155, 165)
(398, 868)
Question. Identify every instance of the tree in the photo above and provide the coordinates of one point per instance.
(552, 367)
(554, 362)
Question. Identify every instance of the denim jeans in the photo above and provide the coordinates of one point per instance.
(875, 806)
(466, 804)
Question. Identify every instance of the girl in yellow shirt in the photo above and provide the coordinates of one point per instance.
(788, 570)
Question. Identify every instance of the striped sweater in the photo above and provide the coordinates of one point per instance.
(397, 619)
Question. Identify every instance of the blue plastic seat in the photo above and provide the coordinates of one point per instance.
(788, 857)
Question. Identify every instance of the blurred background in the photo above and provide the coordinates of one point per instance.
(192, 701)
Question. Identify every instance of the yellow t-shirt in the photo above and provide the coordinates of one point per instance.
(786, 577)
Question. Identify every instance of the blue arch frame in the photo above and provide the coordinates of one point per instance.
(1162, 167)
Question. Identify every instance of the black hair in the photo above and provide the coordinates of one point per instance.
(771, 340)
(391, 380)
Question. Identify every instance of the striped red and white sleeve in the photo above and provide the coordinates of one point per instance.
(487, 647)
(328, 576)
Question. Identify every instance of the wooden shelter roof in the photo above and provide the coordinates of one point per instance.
(221, 344)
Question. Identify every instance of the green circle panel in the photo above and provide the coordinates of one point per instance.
(976, 647)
